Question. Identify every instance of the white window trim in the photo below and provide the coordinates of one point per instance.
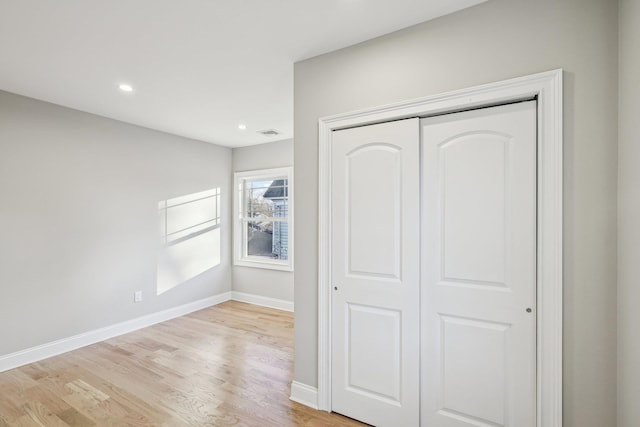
(239, 258)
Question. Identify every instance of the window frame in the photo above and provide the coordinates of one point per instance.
(240, 257)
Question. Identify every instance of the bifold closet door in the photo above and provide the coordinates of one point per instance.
(479, 268)
(375, 244)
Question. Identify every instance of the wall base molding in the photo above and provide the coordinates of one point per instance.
(279, 304)
(55, 348)
(44, 351)
(304, 394)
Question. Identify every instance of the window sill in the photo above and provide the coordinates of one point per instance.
(269, 265)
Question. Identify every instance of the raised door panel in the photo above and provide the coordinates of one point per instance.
(473, 208)
(373, 199)
(474, 387)
(374, 331)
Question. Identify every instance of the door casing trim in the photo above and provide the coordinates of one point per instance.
(546, 87)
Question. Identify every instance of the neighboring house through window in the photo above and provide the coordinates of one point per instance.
(264, 219)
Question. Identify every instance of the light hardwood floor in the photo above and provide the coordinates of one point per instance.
(228, 365)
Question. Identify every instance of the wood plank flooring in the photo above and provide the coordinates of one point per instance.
(228, 365)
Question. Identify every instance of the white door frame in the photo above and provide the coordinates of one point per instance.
(547, 88)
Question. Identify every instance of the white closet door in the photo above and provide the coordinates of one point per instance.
(375, 273)
(479, 268)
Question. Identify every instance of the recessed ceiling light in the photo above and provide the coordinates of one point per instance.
(125, 87)
(242, 126)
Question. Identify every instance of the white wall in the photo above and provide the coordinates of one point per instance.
(629, 217)
(496, 40)
(78, 219)
(259, 281)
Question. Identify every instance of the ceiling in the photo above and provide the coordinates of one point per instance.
(198, 68)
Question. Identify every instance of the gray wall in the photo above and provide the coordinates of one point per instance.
(496, 40)
(78, 219)
(260, 281)
(629, 217)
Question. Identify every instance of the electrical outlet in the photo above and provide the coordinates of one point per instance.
(137, 296)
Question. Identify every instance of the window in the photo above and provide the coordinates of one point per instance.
(264, 219)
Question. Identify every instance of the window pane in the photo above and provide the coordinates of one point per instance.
(268, 239)
(266, 198)
(281, 208)
(257, 206)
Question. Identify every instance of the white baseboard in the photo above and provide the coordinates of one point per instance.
(304, 394)
(44, 351)
(280, 304)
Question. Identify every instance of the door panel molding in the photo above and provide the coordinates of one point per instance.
(546, 87)
(379, 266)
(358, 383)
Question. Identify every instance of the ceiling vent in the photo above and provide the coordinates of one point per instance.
(270, 132)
